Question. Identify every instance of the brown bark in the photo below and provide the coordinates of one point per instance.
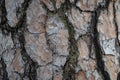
(59, 40)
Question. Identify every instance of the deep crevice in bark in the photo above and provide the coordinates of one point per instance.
(71, 63)
(30, 69)
(30, 65)
(5, 27)
(116, 25)
(5, 30)
(118, 76)
(98, 51)
(69, 68)
(3, 72)
(117, 32)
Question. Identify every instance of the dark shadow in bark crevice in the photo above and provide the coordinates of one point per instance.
(71, 62)
(3, 72)
(118, 76)
(98, 50)
(30, 67)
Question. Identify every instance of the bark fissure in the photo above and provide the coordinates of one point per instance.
(71, 63)
(39, 50)
(30, 65)
(117, 38)
(3, 72)
(5, 30)
(117, 32)
(5, 27)
(98, 50)
(118, 76)
(19, 29)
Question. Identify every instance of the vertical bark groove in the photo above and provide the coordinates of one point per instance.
(4, 74)
(19, 29)
(98, 51)
(71, 63)
(70, 16)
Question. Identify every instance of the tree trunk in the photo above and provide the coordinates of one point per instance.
(59, 40)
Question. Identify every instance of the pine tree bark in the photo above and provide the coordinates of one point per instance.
(59, 40)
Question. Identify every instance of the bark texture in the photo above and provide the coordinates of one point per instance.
(59, 40)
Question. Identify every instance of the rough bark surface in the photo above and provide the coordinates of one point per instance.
(59, 40)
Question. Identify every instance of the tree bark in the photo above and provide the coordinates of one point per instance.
(59, 40)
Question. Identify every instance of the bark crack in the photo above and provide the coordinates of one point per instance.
(71, 63)
(30, 69)
(98, 50)
(4, 74)
(118, 76)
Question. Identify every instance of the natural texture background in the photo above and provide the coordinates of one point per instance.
(59, 39)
